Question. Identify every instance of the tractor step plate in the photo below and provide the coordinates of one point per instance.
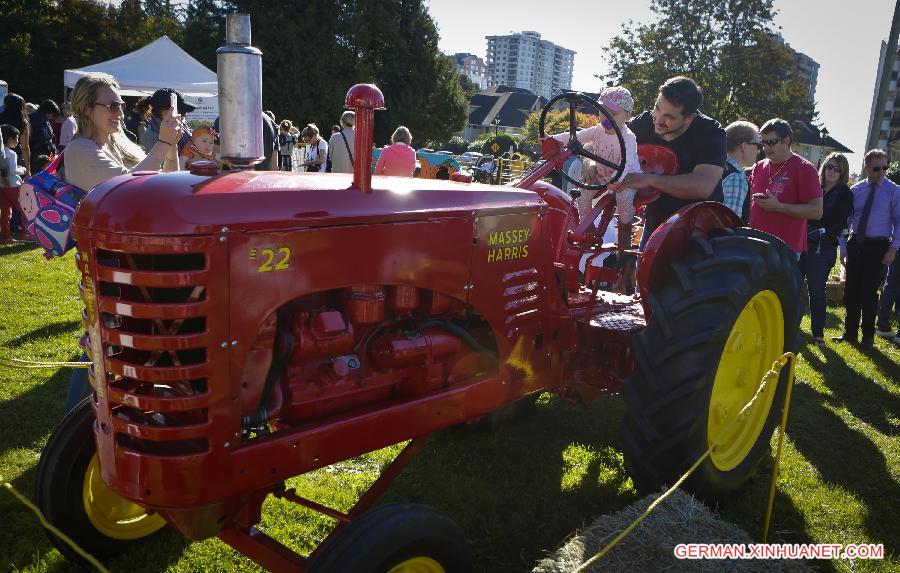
(617, 313)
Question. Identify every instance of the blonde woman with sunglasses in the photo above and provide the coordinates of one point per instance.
(101, 150)
(822, 237)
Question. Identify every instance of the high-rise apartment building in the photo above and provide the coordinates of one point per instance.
(525, 61)
(472, 67)
(807, 68)
(887, 118)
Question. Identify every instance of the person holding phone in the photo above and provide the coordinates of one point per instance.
(163, 104)
(784, 188)
(102, 151)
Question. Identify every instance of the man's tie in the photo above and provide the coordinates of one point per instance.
(864, 219)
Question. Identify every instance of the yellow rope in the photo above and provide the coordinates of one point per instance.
(87, 556)
(26, 364)
(767, 377)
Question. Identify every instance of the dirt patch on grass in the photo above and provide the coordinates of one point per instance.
(650, 547)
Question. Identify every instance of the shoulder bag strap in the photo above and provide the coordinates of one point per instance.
(347, 145)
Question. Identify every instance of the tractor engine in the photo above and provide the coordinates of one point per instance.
(355, 346)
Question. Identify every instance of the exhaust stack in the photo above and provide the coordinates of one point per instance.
(365, 99)
(239, 70)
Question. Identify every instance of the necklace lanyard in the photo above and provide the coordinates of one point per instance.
(777, 173)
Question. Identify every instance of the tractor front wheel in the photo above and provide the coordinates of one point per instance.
(729, 310)
(74, 499)
(396, 538)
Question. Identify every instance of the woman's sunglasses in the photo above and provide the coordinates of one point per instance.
(114, 107)
(834, 168)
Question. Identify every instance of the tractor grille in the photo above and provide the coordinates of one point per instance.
(148, 315)
(522, 302)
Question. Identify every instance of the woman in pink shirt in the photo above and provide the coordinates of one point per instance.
(398, 158)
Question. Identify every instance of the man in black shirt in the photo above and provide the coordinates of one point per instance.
(692, 144)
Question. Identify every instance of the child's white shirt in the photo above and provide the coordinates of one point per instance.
(11, 163)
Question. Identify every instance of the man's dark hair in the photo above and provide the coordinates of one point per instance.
(682, 91)
(779, 126)
(48, 107)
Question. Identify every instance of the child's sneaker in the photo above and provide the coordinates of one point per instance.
(889, 334)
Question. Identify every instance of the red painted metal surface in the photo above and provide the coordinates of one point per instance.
(385, 309)
(670, 240)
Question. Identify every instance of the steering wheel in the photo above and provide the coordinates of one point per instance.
(576, 147)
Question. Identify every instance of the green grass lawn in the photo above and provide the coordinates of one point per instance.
(517, 492)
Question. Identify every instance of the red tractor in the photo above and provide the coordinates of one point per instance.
(248, 327)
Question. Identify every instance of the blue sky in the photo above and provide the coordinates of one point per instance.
(843, 37)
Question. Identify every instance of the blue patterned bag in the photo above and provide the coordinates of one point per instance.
(49, 204)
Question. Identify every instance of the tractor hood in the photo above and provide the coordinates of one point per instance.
(182, 203)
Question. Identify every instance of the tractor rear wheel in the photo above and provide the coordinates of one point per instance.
(396, 538)
(73, 497)
(730, 309)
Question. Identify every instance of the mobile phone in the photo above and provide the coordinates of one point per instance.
(173, 100)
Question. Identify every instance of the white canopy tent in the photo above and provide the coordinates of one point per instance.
(159, 64)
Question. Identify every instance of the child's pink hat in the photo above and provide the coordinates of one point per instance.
(616, 99)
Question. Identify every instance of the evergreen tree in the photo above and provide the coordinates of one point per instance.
(204, 30)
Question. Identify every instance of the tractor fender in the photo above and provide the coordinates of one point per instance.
(671, 240)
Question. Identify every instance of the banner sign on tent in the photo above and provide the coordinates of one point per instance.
(207, 107)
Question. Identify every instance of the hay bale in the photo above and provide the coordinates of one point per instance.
(834, 292)
(679, 519)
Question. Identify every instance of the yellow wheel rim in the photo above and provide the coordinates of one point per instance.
(755, 342)
(113, 515)
(418, 565)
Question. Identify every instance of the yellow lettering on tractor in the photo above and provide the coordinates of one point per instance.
(514, 244)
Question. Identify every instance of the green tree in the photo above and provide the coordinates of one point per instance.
(204, 30)
(728, 46)
(51, 37)
(557, 121)
(468, 87)
(397, 42)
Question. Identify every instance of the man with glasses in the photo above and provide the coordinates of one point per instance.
(694, 142)
(872, 245)
(742, 142)
(784, 187)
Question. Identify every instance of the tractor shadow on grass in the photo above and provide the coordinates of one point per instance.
(27, 419)
(520, 491)
(51, 330)
(847, 458)
(17, 248)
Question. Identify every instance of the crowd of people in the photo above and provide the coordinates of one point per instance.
(815, 212)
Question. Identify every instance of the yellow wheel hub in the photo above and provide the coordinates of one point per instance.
(755, 342)
(418, 565)
(113, 515)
